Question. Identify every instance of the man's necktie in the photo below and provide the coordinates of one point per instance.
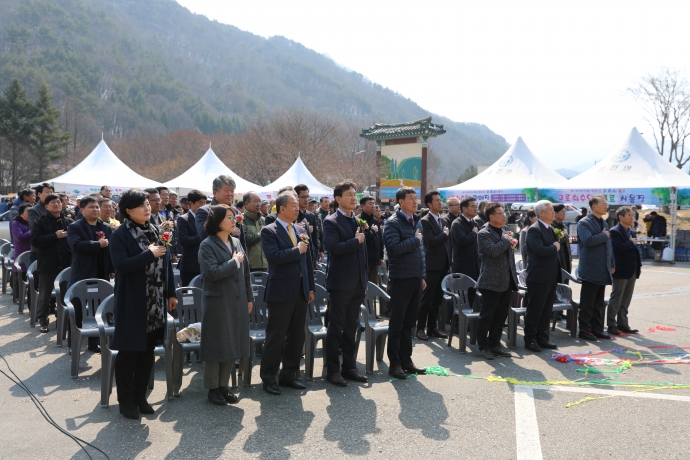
(291, 234)
(412, 222)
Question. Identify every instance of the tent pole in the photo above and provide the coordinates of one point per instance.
(674, 212)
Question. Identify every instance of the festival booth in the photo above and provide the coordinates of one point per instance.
(100, 167)
(297, 174)
(513, 178)
(633, 174)
(200, 177)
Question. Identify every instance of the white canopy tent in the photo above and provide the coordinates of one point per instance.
(201, 175)
(100, 167)
(512, 178)
(297, 174)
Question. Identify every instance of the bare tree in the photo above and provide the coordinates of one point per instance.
(665, 98)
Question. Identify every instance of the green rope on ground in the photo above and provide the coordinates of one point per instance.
(438, 370)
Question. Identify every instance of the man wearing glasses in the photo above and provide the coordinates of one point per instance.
(463, 242)
(453, 211)
(595, 268)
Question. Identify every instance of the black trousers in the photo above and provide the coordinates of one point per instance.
(45, 290)
(343, 308)
(133, 369)
(187, 277)
(432, 298)
(591, 313)
(405, 295)
(540, 298)
(492, 317)
(284, 340)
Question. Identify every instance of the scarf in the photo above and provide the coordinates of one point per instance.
(144, 235)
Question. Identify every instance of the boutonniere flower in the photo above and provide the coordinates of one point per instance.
(165, 238)
(558, 232)
(513, 241)
(114, 223)
(239, 218)
(100, 235)
(304, 238)
(362, 224)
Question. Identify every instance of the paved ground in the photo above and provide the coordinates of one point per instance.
(423, 416)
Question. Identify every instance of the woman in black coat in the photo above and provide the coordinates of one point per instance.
(144, 292)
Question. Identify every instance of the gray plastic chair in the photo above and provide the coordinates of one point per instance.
(196, 282)
(105, 319)
(24, 258)
(519, 265)
(567, 276)
(258, 319)
(6, 252)
(383, 284)
(59, 291)
(517, 309)
(90, 292)
(375, 332)
(259, 278)
(314, 329)
(320, 277)
(564, 294)
(457, 286)
(165, 350)
(33, 293)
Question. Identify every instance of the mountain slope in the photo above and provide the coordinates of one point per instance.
(128, 67)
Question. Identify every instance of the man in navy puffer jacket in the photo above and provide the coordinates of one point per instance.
(402, 237)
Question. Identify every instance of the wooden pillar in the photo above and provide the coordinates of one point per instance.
(425, 144)
(378, 171)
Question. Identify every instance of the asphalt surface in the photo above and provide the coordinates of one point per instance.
(454, 416)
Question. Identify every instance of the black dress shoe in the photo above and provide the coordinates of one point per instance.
(533, 346)
(228, 396)
(216, 397)
(548, 345)
(129, 410)
(586, 335)
(602, 335)
(336, 379)
(500, 351)
(628, 330)
(353, 374)
(410, 368)
(271, 388)
(95, 349)
(421, 335)
(486, 353)
(397, 372)
(436, 333)
(44, 325)
(296, 384)
(613, 330)
(144, 406)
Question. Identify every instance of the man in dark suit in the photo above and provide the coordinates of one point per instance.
(437, 255)
(290, 288)
(188, 236)
(223, 193)
(374, 238)
(497, 281)
(543, 273)
(272, 216)
(463, 243)
(403, 239)
(453, 211)
(307, 219)
(346, 282)
(628, 268)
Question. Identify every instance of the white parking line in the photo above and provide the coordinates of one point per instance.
(601, 391)
(526, 427)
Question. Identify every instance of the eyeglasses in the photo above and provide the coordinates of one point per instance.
(154, 200)
(233, 219)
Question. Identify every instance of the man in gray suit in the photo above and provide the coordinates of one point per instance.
(497, 281)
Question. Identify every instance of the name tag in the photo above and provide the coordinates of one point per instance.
(92, 290)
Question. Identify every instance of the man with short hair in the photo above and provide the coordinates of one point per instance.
(374, 239)
(406, 281)
(543, 273)
(628, 269)
(273, 215)
(497, 281)
(595, 268)
(657, 229)
(290, 288)
(105, 192)
(481, 217)
(48, 236)
(252, 224)
(583, 213)
(66, 209)
(463, 236)
(155, 201)
(308, 220)
(38, 210)
(166, 208)
(264, 208)
(323, 207)
(172, 201)
(453, 211)
(564, 252)
(107, 209)
(436, 240)
(223, 188)
(188, 236)
(184, 204)
(346, 282)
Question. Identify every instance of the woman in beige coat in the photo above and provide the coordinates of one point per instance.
(226, 303)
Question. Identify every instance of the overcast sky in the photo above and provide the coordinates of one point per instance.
(552, 72)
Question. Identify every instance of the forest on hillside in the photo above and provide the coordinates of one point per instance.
(138, 71)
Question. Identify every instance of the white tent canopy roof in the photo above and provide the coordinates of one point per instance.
(297, 174)
(518, 168)
(100, 167)
(634, 164)
(201, 175)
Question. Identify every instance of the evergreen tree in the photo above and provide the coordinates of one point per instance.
(468, 174)
(16, 124)
(48, 140)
